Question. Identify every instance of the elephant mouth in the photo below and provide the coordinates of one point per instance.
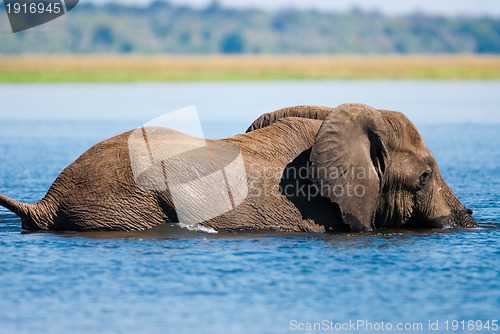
(457, 219)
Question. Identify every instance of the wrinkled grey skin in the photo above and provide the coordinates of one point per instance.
(364, 169)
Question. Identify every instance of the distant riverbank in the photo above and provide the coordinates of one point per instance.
(120, 68)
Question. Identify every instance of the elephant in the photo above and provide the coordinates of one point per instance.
(352, 168)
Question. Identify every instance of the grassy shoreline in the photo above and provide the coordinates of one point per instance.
(121, 68)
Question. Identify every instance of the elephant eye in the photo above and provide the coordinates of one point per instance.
(425, 177)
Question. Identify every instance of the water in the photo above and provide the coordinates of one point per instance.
(171, 280)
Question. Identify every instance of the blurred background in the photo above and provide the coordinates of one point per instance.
(264, 27)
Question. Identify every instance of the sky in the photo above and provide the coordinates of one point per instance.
(448, 7)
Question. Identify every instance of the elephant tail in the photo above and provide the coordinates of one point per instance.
(20, 209)
(36, 216)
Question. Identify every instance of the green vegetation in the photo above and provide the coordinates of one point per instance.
(116, 68)
(116, 43)
(164, 28)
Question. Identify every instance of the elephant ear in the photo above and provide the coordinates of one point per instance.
(348, 161)
(312, 112)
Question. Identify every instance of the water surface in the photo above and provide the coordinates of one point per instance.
(170, 280)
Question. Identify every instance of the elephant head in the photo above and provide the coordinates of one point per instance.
(376, 167)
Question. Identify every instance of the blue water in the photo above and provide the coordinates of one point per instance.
(169, 280)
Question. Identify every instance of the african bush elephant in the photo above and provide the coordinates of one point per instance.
(305, 168)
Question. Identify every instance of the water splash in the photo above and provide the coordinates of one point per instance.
(200, 228)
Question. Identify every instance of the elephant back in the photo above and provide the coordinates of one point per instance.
(304, 111)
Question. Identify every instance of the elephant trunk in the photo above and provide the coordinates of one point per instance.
(442, 210)
(460, 215)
